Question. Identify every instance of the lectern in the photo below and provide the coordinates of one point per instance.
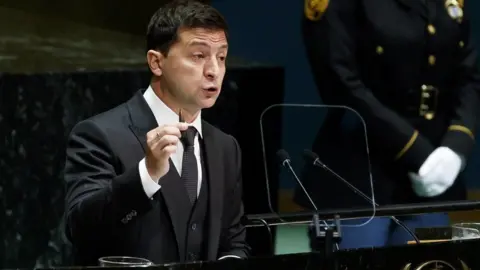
(461, 255)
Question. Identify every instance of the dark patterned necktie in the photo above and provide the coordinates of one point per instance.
(189, 163)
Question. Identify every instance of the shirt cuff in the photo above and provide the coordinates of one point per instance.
(229, 256)
(149, 186)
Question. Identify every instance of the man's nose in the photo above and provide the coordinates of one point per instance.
(212, 69)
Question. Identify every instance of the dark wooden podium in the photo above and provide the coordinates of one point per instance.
(459, 255)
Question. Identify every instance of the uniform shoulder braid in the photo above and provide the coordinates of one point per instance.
(314, 9)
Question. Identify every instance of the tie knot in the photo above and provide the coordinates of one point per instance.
(188, 136)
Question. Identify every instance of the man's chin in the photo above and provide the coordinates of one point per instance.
(208, 103)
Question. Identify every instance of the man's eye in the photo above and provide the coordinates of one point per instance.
(198, 56)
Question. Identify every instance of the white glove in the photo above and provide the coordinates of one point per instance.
(437, 173)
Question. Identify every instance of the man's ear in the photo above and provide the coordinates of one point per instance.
(155, 62)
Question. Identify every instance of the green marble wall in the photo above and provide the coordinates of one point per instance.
(123, 16)
(39, 43)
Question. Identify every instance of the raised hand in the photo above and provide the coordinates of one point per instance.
(161, 143)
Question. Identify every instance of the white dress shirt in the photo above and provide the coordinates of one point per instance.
(165, 116)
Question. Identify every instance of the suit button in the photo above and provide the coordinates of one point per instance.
(431, 29)
(431, 60)
(193, 257)
(194, 226)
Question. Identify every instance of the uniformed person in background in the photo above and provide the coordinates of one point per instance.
(409, 68)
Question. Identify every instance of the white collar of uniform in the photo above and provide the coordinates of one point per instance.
(163, 114)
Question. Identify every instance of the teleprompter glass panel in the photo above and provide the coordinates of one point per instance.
(323, 165)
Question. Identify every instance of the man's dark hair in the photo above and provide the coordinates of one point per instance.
(165, 23)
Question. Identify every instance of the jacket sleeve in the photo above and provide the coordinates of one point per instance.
(98, 200)
(460, 136)
(337, 31)
(233, 236)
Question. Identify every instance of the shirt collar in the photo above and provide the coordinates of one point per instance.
(164, 115)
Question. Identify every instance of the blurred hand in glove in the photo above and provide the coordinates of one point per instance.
(437, 173)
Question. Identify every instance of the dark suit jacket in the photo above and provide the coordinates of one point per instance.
(107, 210)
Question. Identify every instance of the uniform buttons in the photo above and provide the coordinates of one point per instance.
(379, 50)
(194, 226)
(431, 60)
(431, 29)
(461, 44)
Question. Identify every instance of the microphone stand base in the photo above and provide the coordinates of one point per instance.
(326, 240)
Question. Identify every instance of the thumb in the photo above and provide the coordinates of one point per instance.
(182, 126)
(414, 176)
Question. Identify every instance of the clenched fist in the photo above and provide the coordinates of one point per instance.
(161, 143)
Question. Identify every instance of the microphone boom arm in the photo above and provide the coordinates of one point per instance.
(326, 237)
(318, 163)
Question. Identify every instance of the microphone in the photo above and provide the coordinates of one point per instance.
(315, 160)
(284, 158)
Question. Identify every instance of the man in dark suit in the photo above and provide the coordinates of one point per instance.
(142, 183)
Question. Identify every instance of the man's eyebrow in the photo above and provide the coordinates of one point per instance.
(198, 43)
(203, 43)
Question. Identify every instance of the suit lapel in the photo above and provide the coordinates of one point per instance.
(141, 118)
(172, 189)
(417, 6)
(213, 151)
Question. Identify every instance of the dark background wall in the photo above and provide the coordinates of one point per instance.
(123, 16)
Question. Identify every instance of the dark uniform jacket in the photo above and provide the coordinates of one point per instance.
(408, 67)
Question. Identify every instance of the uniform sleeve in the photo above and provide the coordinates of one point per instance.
(399, 139)
(460, 136)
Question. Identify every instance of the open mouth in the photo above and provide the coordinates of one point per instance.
(211, 89)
